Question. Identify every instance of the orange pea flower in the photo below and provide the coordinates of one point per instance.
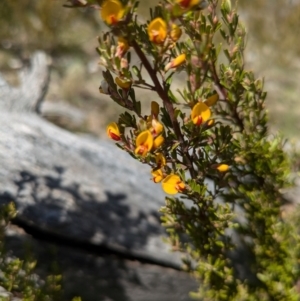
(113, 131)
(157, 31)
(200, 113)
(112, 11)
(144, 143)
(157, 175)
(160, 160)
(172, 184)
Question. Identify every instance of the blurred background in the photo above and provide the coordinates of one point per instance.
(69, 36)
(73, 101)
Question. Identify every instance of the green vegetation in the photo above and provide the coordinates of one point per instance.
(18, 276)
(208, 142)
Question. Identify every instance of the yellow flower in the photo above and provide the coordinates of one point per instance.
(144, 143)
(158, 141)
(222, 167)
(122, 47)
(160, 160)
(200, 113)
(172, 184)
(124, 84)
(210, 101)
(113, 132)
(187, 4)
(157, 31)
(179, 60)
(157, 175)
(112, 11)
(175, 33)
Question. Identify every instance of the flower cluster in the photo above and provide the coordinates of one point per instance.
(159, 33)
(171, 183)
(148, 140)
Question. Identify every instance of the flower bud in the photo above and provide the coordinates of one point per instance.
(160, 160)
(158, 141)
(156, 127)
(113, 131)
(124, 63)
(179, 60)
(210, 101)
(175, 33)
(221, 167)
(122, 47)
(154, 109)
(226, 6)
(123, 83)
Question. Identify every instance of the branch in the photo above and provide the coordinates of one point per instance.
(167, 103)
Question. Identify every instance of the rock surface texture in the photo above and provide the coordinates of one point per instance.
(86, 197)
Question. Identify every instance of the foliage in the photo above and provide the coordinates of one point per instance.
(18, 276)
(208, 142)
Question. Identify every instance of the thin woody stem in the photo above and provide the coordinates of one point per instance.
(221, 91)
(218, 86)
(167, 103)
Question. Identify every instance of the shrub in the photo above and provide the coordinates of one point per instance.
(208, 143)
(18, 276)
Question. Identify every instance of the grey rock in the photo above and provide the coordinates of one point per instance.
(84, 192)
(29, 95)
(104, 277)
(63, 115)
(73, 187)
(89, 191)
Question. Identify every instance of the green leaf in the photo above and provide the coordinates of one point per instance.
(226, 6)
(137, 72)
